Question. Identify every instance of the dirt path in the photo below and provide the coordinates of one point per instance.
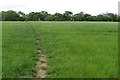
(41, 64)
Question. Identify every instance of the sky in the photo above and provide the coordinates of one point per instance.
(93, 7)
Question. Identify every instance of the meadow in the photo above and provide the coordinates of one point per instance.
(17, 49)
(73, 49)
(0, 50)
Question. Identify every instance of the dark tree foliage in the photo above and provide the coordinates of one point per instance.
(22, 15)
(45, 16)
(78, 17)
(87, 17)
(58, 17)
(0, 16)
(33, 16)
(50, 18)
(67, 16)
(10, 16)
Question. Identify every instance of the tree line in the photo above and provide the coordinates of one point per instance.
(45, 16)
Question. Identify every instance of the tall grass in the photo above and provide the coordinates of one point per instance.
(18, 50)
(80, 49)
(0, 49)
(73, 49)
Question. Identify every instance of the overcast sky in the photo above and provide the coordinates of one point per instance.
(52, 6)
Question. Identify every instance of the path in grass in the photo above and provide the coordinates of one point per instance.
(73, 49)
(79, 49)
(41, 63)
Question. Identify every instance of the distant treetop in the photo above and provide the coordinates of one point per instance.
(45, 16)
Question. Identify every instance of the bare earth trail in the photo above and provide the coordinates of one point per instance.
(41, 73)
(41, 66)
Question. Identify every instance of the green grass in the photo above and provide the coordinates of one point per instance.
(73, 49)
(79, 49)
(18, 50)
(43, 68)
(0, 50)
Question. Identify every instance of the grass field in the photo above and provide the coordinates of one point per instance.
(0, 50)
(18, 50)
(73, 49)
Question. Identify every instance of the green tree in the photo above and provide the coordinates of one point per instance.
(0, 16)
(112, 17)
(22, 15)
(34, 16)
(58, 17)
(67, 16)
(50, 18)
(43, 14)
(118, 19)
(78, 17)
(10, 16)
(92, 18)
(86, 17)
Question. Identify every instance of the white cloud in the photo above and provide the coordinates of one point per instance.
(10, 7)
(52, 6)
